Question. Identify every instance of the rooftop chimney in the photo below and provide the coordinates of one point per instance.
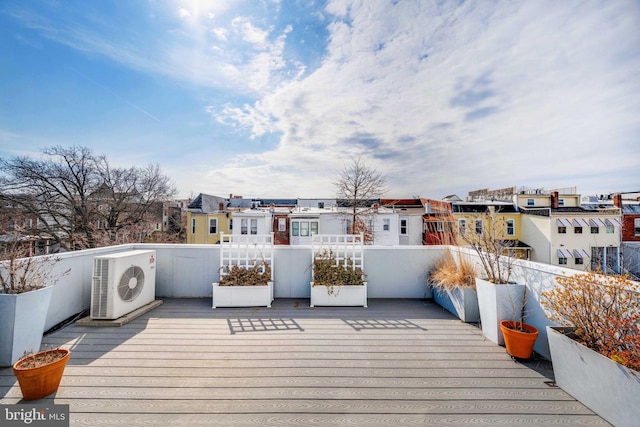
(554, 199)
(617, 200)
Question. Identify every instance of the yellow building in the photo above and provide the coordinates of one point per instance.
(205, 228)
(482, 223)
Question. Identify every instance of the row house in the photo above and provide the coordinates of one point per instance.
(563, 232)
(209, 216)
(479, 221)
(410, 219)
(629, 204)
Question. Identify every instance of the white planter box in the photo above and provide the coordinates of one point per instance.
(497, 303)
(461, 302)
(242, 296)
(355, 296)
(22, 320)
(609, 389)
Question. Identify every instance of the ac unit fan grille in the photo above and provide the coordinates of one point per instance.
(131, 283)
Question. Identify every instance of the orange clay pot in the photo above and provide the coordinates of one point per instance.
(36, 383)
(519, 344)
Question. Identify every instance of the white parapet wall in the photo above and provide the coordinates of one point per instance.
(187, 271)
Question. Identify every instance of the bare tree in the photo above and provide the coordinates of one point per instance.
(356, 185)
(78, 199)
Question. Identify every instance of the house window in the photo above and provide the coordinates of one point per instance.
(439, 226)
(403, 227)
(595, 230)
(230, 223)
(530, 202)
(577, 230)
(562, 230)
(462, 226)
(321, 205)
(193, 226)
(386, 224)
(213, 225)
(562, 261)
(560, 202)
(478, 226)
(304, 228)
(610, 229)
(511, 227)
(282, 224)
(244, 226)
(636, 226)
(579, 261)
(254, 226)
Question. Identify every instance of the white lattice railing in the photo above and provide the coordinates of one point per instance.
(245, 251)
(346, 249)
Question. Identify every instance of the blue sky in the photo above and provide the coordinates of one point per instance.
(270, 98)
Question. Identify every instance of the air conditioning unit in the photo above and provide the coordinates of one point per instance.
(122, 282)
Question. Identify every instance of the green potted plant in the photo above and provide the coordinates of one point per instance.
(25, 292)
(244, 285)
(40, 374)
(454, 286)
(337, 282)
(596, 349)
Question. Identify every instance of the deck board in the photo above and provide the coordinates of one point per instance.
(401, 362)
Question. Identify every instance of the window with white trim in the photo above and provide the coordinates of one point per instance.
(404, 226)
(478, 226)
(562, 261)
(193, 226)
(304, 228)
(254, 226)
(282, 224)
(244, 226)
(511, 227)
(213, 225)
(462, 226)
(386, 224)
(530, 202)
(636, 226)
(609, 229)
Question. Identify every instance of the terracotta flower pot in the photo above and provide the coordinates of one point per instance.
(519, 344)
(36, 383)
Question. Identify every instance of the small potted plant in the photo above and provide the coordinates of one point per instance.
(337, 282)
(40, 374)
(453, 283)
(25, 292)
(519, 337)
(596, 350)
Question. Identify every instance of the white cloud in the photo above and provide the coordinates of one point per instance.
(250, 33)
(456, 96)
(183, 13)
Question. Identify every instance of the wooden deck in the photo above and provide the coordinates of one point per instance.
(395, 363)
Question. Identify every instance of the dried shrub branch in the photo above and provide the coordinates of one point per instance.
(327, 271)
(256, 274)
(448, 273)
(604, 309)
